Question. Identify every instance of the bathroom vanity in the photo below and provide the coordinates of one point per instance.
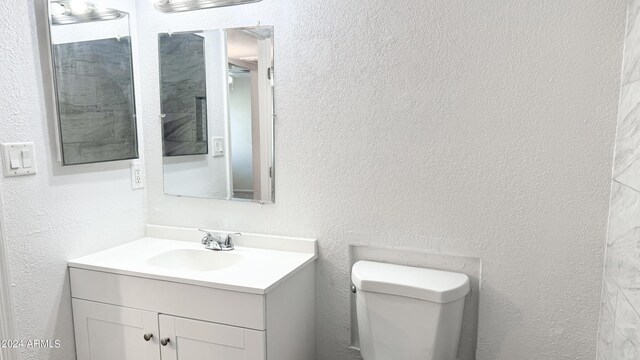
(166, 297)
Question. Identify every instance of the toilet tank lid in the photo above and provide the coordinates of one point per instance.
(419, 283)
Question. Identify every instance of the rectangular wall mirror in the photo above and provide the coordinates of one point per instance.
(93, 82)
(217, 113)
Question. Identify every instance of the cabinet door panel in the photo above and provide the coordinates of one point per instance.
(107, 332)
(199, 340)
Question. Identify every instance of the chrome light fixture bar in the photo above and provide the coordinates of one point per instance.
(171, 6)
(66, 12)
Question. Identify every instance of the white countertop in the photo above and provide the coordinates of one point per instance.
(259, 272)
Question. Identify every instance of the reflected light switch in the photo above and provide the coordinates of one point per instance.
(218, 146)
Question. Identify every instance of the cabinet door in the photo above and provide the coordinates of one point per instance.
(199, 340)
(107, 332)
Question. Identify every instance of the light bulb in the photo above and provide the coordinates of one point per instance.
(58, 9)
(78, 7)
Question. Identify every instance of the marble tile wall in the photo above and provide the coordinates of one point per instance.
(96, 101)
(183, 78)
(619, 333)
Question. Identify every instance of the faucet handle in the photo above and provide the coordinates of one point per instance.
(206, 240)
(205, 231)
(228, 238)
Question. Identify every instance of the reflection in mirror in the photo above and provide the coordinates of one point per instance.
(171, 6)
(183, 94)
(217, 113)
(93, 72)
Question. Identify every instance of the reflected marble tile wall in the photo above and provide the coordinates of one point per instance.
(183, 77)
(95, 95)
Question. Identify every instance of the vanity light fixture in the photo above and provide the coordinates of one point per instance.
(171, 6)
(78, 7)
(58, 9)
(65, 12)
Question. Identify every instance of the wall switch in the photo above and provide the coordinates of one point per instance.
(19, 159)
(218, 146)
(26, 159)
(137, 175)
(14, 159)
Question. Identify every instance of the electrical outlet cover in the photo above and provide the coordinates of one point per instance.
(137, 175)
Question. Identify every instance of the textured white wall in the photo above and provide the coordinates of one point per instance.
(479, 128)
(57, 214)
(492, 138)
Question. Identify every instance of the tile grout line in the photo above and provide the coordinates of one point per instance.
(625, 298)
(627, 186)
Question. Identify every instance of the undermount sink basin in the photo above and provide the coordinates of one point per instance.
(195, 260)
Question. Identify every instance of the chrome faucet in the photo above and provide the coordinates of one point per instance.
(219, 241)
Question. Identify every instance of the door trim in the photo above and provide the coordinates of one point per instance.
(6, 310)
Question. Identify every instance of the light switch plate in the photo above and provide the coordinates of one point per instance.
(218, 146)
(19, 159)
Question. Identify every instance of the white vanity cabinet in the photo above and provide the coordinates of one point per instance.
(108, 332)
(261, 309)
(199, 340)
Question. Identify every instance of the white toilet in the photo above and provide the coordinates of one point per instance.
(408, 313)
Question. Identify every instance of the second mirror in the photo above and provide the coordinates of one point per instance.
(217, 113)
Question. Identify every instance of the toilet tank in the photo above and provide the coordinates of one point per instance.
(408, 313)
